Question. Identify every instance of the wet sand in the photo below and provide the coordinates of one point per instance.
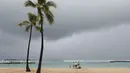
(67, 70)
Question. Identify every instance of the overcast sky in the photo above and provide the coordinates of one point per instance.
(83, 29)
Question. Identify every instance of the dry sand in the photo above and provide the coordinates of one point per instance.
(67, 70)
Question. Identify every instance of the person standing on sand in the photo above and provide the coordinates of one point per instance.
(73, 64)
(70, 66)
(78, 63)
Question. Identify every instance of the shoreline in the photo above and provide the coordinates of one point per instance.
(67, 70)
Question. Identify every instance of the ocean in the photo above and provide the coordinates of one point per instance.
(62, 64)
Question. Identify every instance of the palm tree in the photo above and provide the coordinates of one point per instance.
(33, 19)
(43, 9)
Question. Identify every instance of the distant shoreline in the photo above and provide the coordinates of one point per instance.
(118, 61)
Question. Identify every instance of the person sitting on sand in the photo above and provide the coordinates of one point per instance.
(78, 65)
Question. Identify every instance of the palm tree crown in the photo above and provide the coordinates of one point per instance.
(44, 8)
(32, 21)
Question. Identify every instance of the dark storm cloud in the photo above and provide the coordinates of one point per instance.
(104, 44)
(70, 16)
(88, 15)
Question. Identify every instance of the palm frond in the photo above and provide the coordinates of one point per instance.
(38, 28)
(51, 14)
(45, 8)
(49, 17)
(32, 17)
(20, 24)
(24, 23)
(48, 14)
(41, 20)
(33, 22)
(51, 4)
(41, 2)
(37, 18)
(27, 28)
(41, 16)
(29, 4)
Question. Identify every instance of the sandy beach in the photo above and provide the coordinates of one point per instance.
(67, 70)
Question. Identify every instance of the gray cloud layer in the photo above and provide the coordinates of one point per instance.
(97, 28)
(106, 44)
(70, 16)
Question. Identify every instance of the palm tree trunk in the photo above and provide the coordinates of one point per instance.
(27, 64)
(42, 46)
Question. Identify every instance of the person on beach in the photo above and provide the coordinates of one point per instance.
(70, 66)
(78, 65)
(75, 65)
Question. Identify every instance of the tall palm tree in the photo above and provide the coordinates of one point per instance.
(31, 22)
(43, 9)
